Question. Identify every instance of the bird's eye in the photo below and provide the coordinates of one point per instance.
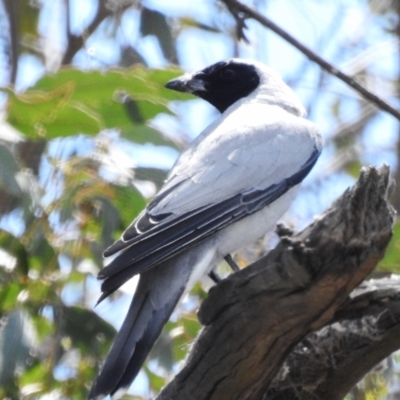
(227, 73)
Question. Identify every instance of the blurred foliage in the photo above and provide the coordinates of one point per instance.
(68, 211)
(382, 383)
(74, 101)
(391, 261)
(65, 195)
(85, 214)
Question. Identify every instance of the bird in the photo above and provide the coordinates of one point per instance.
(226, 190)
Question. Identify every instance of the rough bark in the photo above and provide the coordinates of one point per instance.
(255, 318)
(328, 363)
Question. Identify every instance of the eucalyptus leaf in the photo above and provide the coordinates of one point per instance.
(74, 101)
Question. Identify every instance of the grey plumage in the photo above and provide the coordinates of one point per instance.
(226, 190)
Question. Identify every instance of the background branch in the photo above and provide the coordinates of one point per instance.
(241, 11)
(12, 7)
(76, 42)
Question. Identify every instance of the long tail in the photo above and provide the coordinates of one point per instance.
(157, 294)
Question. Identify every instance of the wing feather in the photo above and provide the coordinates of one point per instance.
(230, 171)
(167, 239)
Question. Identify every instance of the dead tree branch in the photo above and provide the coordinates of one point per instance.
(255, 318)
(329, 362)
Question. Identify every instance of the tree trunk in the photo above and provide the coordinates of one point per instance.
(294, 325)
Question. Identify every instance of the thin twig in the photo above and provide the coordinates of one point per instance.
(12, 9)
(236, 8)
(76, 42)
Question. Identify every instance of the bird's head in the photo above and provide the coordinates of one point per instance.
(224, 83)
(221, 84)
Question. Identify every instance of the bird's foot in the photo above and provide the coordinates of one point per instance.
(214, 276)
(231, 263)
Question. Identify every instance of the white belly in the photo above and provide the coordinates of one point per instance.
(249, 229)
(240, 234)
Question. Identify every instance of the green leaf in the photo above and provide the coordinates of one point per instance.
(187, 22)
(146, 134)
(129, 202)
(156, 382)
(38, 373)
(15, 248)
(8, 296)
(191, 325)
(28, 14)
(44, 327)
(87, 330)
(74, 101)
(34, 112)
(43, 256)
(118, 210)
(116, 115)
(40, 292)
(353, 168)
(391, 261)
(160, 77)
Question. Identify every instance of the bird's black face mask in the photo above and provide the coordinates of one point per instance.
(221, 84)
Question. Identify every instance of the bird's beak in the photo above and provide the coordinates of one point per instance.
(186, 83)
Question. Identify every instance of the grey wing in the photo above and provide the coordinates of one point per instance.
(193, 205)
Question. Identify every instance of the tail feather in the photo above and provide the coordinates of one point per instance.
(157, 294)
(143, 348)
